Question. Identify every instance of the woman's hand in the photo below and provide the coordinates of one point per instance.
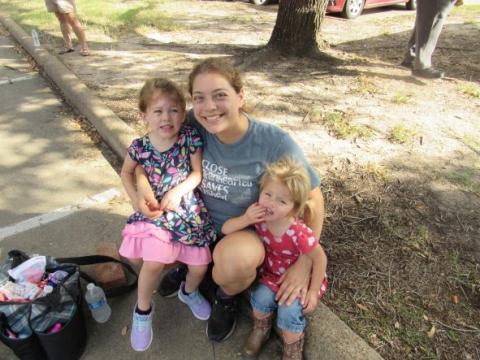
(171, 200)
(294, 282)
(311, 302)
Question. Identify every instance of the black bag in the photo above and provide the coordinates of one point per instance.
(64, 304)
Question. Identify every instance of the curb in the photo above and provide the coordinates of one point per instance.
(111, 128)
(328, 337)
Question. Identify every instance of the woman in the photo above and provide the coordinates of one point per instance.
(237, 149)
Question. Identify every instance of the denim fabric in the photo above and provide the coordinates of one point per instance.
(289, 318)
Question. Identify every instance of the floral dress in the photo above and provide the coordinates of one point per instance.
(190, 224)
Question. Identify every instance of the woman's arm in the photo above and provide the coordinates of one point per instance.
(319, 260)
(254, 214)
(294, 281)
(315, 214)
(172, 198)
(128, 180)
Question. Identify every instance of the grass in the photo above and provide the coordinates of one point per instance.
(470, 89)
(402, 98)
(110, 17)
(466, 178)
(397, 262)
(470, 13)
(365, 85)
(340, 125)
(472, 142)
(401, 134)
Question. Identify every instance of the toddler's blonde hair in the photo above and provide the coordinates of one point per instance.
(295, 177)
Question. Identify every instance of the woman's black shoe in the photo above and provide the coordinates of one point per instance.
(223, 319)
(170, 283)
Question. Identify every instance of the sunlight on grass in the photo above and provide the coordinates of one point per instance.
(470, 13)
(472, 141)
(470, 89)
(365, 85)
(402, 98)
(108, 16)
(401, 134)
(376, 170)
(340, 125)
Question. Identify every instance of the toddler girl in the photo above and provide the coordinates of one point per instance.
(170, 154)
(284, 189)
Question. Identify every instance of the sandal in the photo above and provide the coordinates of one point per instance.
(66, 50)
(84, 52)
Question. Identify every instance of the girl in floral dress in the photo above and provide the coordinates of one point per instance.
(170, 154)
(284, 189)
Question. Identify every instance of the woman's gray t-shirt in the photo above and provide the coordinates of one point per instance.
(231, 171)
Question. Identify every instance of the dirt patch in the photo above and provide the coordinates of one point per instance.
(401, 176)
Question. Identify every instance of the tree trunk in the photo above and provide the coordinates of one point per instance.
(297, 27)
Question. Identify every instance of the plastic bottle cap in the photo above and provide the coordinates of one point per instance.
(90, 286)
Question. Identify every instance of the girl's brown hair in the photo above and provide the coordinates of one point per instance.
(295, 177)
(160, 86)
(218, 66)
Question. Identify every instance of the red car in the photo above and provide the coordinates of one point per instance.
(352, 8)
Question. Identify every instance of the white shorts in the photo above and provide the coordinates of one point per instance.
(61, 6)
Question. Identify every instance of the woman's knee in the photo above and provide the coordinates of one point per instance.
(238, 254)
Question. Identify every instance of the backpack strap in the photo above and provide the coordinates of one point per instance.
(99, 259)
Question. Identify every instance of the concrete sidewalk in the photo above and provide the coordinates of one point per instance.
(327, 338)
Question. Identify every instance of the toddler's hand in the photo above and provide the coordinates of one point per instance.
(255, 213)
(311, 302)
(148, 206)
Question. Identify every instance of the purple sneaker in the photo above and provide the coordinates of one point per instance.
(142, 335)
(196, 302)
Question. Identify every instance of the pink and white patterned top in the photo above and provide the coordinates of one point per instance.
(282, 252)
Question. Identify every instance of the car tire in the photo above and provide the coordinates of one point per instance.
(353, 8)
(261, 2)
(411, 5)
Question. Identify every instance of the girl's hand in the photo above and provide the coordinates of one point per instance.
(255, 213)
(148, 205)
(311, 302)
(294, 282)
(171, 200)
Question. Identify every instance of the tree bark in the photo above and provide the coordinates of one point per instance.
(297, 27)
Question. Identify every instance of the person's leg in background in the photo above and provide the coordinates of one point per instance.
(429, 22)
(65, 29)
(77, 27)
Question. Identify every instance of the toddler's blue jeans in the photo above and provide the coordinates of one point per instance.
(289, 318)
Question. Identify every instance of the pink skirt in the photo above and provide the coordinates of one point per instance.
(142, 240)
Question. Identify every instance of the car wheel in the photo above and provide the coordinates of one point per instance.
(352, 8)
(261, 2)
(411, 5)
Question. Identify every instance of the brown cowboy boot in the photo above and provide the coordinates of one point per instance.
(293, 351)
(259, 335)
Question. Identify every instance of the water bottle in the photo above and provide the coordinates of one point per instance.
(36, 40)
(97, 303)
